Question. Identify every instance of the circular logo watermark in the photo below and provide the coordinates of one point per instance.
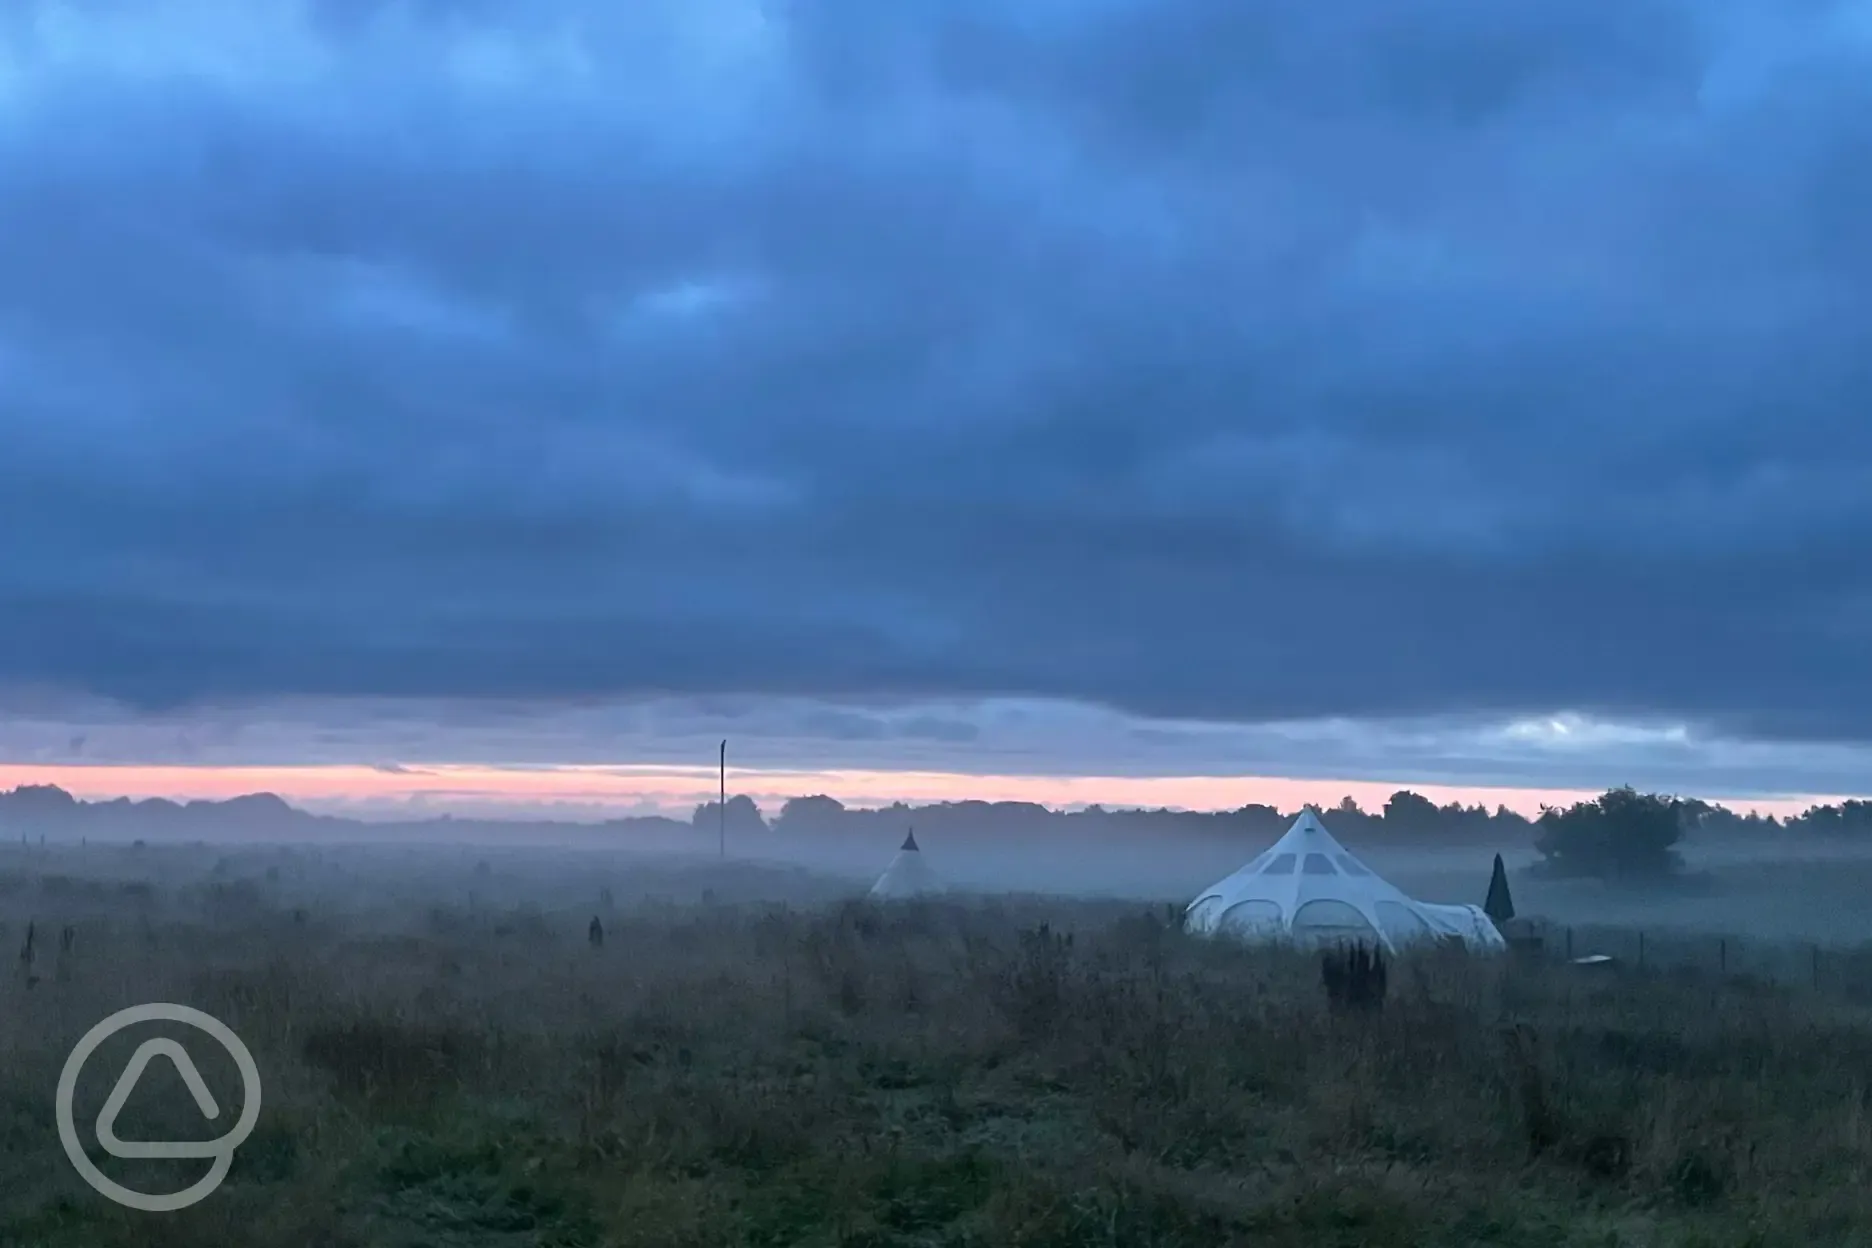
(221, 1150)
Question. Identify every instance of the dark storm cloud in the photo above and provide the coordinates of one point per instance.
(1202, 359)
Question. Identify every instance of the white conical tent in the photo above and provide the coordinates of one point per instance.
(1310, 889)
(909, 874)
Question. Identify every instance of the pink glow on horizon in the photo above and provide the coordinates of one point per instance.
(462, 790)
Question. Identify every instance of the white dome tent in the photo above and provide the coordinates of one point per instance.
(909, 875)
(1308, 889)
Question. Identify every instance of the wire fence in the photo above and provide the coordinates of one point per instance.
(1831, 968)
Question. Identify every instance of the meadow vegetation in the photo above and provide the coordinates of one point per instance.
(1008, 1073)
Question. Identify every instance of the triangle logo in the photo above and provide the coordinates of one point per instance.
(184, 1065)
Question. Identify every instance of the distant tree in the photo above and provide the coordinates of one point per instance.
(1348, 805)
(34, 807)
(1258, 821)
(1852, 818)
(817, 813)
(1623, 835)
(38, 799)
(743, 815)
(1410, 811)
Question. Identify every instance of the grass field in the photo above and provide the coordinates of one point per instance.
(995, 1073)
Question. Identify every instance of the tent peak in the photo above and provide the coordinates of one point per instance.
(908, 875)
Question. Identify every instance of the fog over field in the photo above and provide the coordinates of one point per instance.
(1771, 881)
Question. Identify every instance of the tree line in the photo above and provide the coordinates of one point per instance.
(1620, 834)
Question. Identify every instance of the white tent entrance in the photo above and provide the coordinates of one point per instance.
(1309, 889)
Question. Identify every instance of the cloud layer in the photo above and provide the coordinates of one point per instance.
(1200, 360)
(1053, 752)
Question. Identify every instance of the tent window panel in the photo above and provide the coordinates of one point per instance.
(1326, 914)
(1281, 864)
(1251, 917)
(1317, 864)
(1350, 865)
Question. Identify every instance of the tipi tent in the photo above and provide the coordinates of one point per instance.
(909, 875)
(1309, 889)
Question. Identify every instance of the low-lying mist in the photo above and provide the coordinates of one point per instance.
(1823, 894)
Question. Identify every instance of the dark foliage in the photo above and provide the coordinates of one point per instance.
(1624, 835)
(1354, 977)
(1499, 905)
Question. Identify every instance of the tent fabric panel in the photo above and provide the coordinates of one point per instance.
(908, 875)
(1466, 922)
(1404, 924)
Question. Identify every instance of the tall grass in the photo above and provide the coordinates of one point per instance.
(1018, 1074)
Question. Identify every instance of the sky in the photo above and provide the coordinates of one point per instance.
(1080, 400)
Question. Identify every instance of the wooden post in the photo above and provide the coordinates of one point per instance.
(1816, 966)
(1569, 944)
(1641, 949)
(1722, 955)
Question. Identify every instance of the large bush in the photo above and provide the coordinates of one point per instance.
(1623, 834)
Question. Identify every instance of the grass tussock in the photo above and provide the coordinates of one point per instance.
(944, 1076)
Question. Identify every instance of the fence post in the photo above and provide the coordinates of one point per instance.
(1569, 944)
(1816, 966)
(1641, 949)
(1722, 955)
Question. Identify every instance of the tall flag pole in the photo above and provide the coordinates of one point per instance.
(721, 809)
